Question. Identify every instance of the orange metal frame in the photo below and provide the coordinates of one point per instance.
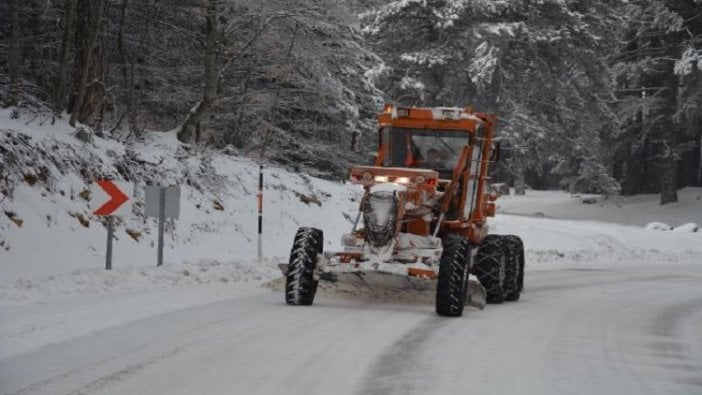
(458, 120)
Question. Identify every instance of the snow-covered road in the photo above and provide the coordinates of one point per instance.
(623, 330)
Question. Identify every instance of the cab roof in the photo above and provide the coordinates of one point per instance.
(447, 118)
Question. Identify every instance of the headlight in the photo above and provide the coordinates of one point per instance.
(420, 179)
(367, 177)
(382, 179)
(402, 180)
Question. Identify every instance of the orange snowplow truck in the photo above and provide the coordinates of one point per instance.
(424, 215)
(464, 142)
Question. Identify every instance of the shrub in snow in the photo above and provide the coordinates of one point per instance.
(689, 227)
(658, 226)
(84, 134)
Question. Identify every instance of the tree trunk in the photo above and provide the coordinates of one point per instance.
(58, 98)
(14, 61)
(669, 138)
(144, 52)
(121, 45)
(517, 169)
(233, 136)
(211, 64)
(669, 174)
(88, 69)
(669, 162)
(519, 184)
(669, 178)
(127, 97)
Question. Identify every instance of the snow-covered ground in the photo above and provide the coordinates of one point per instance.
(628, 330)
(638, 210)
(53, 286)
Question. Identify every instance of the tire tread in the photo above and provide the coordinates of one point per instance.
(300, 282)
(453, 276)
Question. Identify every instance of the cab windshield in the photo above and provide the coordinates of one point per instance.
(424, 148)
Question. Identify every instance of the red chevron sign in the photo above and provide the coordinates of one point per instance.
(114, 192)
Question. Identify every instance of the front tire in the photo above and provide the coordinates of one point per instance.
(489, 267)
(451, 287)
(514, 273)
(300, 282)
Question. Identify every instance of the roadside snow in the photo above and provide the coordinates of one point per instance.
(556, 242)
(689, 227)
(657, 226)
(49, 310)
(636, 210)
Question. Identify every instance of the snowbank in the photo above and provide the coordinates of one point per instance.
(689, 227)
(636, 210)
(557, 242)
(657, 226)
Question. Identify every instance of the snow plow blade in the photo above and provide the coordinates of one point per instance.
(376, 279)
(477, 295)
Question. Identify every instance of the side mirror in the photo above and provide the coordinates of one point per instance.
(505, 150)
(495, 152)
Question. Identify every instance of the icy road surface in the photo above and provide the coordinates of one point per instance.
(626, 330)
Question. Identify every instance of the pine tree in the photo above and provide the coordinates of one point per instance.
(537, 64)
(658, 103)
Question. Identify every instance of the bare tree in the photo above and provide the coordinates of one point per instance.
(58, 99)
(15, 56)
(218, 59)
(211, 62)
(88, 89)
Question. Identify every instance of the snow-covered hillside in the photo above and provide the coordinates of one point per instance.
(47, 226)
(53, 285)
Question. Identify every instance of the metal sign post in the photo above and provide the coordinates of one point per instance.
(260, 212)
(161, 224)
(112, 196)
(162, 202)
(110, 232)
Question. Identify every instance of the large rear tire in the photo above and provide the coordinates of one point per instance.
(490, 265)
(451, 287)
(300, 282)
(514, 272)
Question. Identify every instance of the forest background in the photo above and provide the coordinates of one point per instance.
(600, 96)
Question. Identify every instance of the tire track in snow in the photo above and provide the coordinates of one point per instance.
(387, 372)
(677, 352)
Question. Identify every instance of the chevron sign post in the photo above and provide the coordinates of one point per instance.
(112, 199)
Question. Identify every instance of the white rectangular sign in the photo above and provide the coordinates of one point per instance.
(152, 201)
